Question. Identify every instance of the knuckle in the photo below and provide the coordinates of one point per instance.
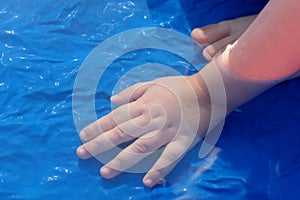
(137, 108)
(92, 147)
(172, 156)
(145, 121)
(141, 147)
(86, 133)
(90, 131)
(116, 114)
(100, 125)
(145, 110)
(118, 135)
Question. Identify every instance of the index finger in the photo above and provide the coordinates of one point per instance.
(110, 121)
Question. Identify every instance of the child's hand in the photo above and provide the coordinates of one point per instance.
(164, 112)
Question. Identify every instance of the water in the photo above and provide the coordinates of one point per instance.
(43, 44)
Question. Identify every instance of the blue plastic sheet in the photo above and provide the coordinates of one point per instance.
(43, 44)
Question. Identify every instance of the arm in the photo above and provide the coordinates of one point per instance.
(270, 47)
(266, 54)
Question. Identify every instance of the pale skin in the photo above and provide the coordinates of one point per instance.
(140, 113)
(216, 37)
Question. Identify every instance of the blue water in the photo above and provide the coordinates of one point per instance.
(43, 44)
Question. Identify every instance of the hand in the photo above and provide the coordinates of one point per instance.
(163, 113)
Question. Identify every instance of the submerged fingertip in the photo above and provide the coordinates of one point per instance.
(195, 34)
(105, 172)
(114, 97)
(148, 182)
(79, 151)
(194, 31)
(82, 153)
(83, 136)
(108, 173)
(198, 34)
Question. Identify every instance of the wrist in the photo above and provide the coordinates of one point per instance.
(218, 77)
(200, 89)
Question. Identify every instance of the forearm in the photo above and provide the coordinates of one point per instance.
(266, 54)
(225, 90)
(270, 47)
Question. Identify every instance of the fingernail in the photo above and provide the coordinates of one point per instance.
(114, 98)
(105, 171)
(199, 36)
(82, 152)
(200, 32)
(206, 55)
(148, 182)
(82, 136)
